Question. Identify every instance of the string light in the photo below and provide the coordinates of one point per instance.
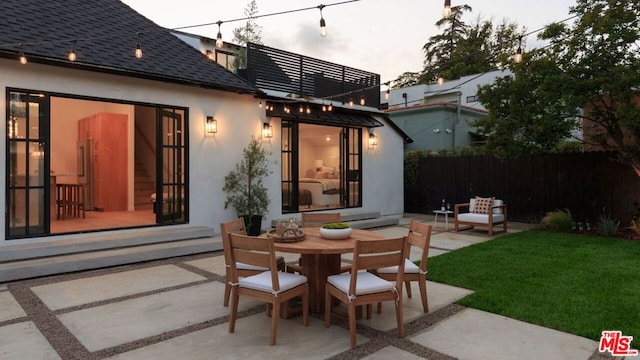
(72, 56)
(518, 56)
(388, 92)
(219, 42)
(22, 58)
(138, 51)
(440, 80)
(323, 24)
(446, 12)
(362, 100)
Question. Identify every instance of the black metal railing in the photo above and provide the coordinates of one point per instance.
(278, 70)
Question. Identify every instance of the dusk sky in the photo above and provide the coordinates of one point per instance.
(381, 36)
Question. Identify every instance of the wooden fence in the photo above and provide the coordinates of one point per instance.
(587, 184)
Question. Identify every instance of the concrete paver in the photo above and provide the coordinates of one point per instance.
(250, 341)
(390, 352)
(91, 289)
(101, 327)
(477, 335)
(24, 341)
(9, 307)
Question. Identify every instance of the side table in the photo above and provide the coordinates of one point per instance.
(446, 217)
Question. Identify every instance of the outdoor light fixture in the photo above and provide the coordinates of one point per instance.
(440, 80)
(211, 125)
(323, 24)
(362, 100)
(373, 139)
(267, 131)
(446, 12)
(219, 41)
(330, 107)
(211, 55)
(22, 58)
(518, 56)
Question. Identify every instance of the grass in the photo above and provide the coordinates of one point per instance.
(574, 283)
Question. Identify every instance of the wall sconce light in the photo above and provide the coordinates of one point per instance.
(267, 131)
(373, 139)
(318, 164)
(211, 125)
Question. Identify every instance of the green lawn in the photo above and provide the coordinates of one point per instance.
(574, 283)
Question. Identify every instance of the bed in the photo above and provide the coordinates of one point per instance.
(324, 192)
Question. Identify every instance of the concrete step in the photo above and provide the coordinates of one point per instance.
(358, 220)
(25, 269)
(83, 243)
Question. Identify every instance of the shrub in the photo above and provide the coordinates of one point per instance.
(557, 220)
(608, 226)
(337, 225)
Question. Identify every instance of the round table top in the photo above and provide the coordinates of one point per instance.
(314, 244)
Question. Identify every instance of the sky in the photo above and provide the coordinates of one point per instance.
(381, 36)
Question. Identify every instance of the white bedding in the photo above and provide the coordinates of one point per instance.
(327, 184)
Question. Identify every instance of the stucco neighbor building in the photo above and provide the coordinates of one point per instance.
(123, 130)
(438, 116)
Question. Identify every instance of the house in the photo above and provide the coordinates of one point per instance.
(438, 116)
(91, 140)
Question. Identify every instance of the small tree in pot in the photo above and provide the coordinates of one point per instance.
(245, 188)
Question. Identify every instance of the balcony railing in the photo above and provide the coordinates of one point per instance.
(278, 70)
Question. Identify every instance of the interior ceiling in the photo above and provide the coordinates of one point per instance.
(318, 135)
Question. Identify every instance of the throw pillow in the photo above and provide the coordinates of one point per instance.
(483, 205)
(321, 175)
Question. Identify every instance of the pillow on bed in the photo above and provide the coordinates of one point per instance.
(321, 175)
(328, 170)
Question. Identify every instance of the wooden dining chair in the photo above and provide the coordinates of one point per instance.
(272, 286)
(419, 237)
(237, 226)
(364, 288)
(316, 219)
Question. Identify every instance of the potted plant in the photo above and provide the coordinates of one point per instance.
(245, 187)
(335, 231)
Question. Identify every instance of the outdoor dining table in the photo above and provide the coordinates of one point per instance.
(321, 258)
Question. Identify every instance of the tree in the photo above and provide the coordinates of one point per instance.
(591, 64)
(249, 33)
(463, 49)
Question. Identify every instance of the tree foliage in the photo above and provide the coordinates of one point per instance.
(249, 33)
(592, 64)
(462, 49)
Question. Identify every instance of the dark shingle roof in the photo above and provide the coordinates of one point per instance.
(106, 34)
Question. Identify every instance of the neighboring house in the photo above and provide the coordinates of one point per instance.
(122, 129)
(437, 116)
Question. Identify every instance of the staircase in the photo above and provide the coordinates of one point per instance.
(84, 253)
(143, 187)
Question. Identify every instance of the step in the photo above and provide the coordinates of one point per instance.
(374, 223)
(98, 259)
(345, 217)
(83, 243)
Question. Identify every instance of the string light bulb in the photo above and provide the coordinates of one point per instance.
(72, 56)
(22, 58)
(219, 41)
(362, 100)
(518, 56)
(440, 80)
(323, 24)
(446, 12)
(330, 107)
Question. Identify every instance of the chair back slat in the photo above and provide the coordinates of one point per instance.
(319, 219)
(373, 254)
(255, 251)
(419, 236)
(233, 226)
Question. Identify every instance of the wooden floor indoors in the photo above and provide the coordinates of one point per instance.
(96, 220)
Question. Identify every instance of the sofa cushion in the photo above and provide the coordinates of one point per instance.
(480, 218)
(482, 205)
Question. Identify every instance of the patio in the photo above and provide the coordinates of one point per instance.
(172, 309)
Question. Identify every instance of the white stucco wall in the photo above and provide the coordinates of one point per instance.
(210, 157)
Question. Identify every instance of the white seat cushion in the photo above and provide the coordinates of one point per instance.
(367, 283)
(243, 266)
(262, 281)
(409, 268)
(480, 218)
